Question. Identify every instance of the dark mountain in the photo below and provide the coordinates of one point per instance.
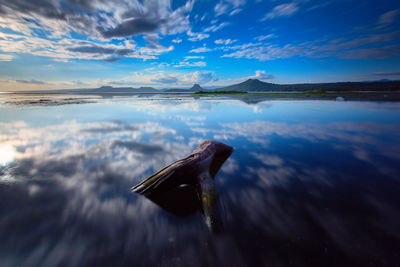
(345, 86)
(195, 88)
(251, 85)
(254, 85)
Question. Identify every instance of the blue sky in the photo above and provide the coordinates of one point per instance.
(47, 44)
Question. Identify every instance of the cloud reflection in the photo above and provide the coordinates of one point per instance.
(308, 190)
(72, 181)
(7, 154)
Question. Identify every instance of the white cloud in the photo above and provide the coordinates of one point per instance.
(264, 37)
(70, 48)
(113, 20)
(165, 78)
(235, 11)
(263, 53)
(221, 8)
(200, 50)
(190, 64)
(215, 28)
(283, 10)
(160, 79)
(240, 47)
(339, 47)
(228, 6)
(261, 75)
(197, 36)
(225, 42)
(269, 160)
(200, 77)
(193, 57)
(177, 40)
(236, 3)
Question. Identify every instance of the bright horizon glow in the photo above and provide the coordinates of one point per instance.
(7, 154)
(65, 44)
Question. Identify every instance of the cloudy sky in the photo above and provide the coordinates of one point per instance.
(47, 44)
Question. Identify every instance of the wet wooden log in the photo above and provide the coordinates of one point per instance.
(187, 185)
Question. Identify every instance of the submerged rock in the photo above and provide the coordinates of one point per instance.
(187, 185)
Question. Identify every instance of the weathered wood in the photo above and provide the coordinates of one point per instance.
(187, 185)
(207, 157)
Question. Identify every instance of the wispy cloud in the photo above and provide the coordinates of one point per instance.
(221, 8)
(200, 77)
(284, 10)
(70, 48)
(263, 53)
(200, 50)
(230, 7)
(340, 48)
(193, 57)
(177, 40)
(4, 57)
(381, 75)
(165, 79)
(319, 5)
(194, 37)
(225, 41)
(190, 64)
(33, 81)
(264, 37)
(95, 49)
(388, 17)
(97, 20)
(389, 51)
(215, 28)
(235, 11)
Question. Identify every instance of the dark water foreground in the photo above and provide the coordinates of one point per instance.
(310, 183)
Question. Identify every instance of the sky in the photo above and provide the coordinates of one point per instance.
(60, 44)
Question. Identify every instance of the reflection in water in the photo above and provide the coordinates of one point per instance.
(187, 185)
(7, 154)
(311, 183)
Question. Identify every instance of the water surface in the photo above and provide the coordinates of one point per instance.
(310, 183)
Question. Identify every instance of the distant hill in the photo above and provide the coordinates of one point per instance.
(254, 85)
(251, 85)
(345, 86)
(195, 88)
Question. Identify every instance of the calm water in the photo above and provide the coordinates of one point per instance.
(310, 183)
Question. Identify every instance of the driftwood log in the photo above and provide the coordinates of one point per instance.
(187, 185)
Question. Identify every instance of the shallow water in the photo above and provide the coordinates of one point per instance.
(309, 183)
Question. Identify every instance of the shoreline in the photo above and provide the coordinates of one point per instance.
(260, 96)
